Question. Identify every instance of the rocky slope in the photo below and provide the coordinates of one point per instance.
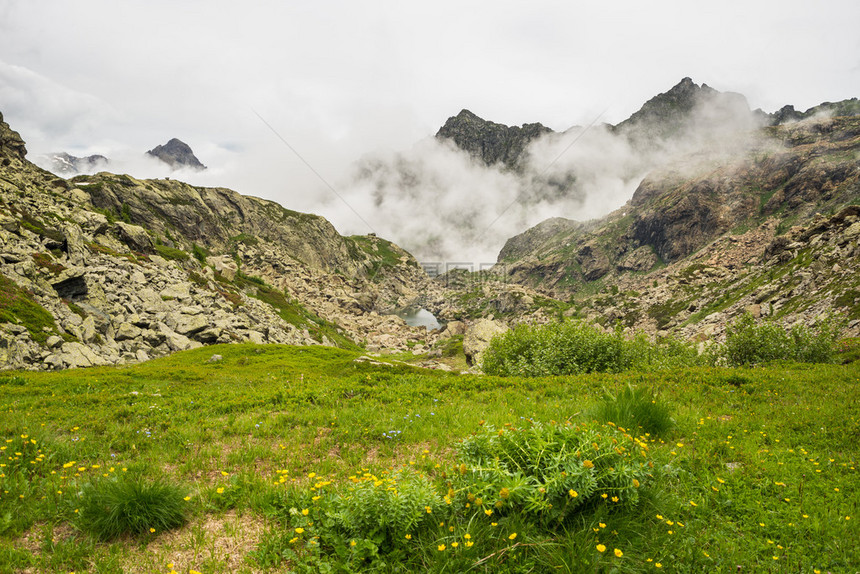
(108, 269)
(709, 238)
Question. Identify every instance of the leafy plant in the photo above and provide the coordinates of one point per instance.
(749, 344)
(130, 505)
(635, 408)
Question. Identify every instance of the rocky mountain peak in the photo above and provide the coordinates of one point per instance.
(177, 154)
(11, 144)
(670, 113)
(490, 142)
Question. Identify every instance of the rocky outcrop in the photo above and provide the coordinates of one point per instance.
(490, 142)
(11, 145)
(478, 336)
(177, 154)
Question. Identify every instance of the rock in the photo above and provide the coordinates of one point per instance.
(224, 265)
(88, 329)
(477, 338)
(754, 310)
(134, 236)
(54, 341)
(79, 355)
(127, 331)
(189, 325)
(215, 359)
(641, 259)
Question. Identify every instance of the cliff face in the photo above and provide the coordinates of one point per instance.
(490, 142)
(12, 147)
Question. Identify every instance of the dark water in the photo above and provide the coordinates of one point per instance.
(419, 318)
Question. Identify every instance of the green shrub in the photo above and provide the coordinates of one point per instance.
(568, 348)
(751, 344)
(171, 253)
(635, 408)
(549, 472)
(574, 347)
(129, 505)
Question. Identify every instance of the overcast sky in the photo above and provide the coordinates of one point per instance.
(340, 79)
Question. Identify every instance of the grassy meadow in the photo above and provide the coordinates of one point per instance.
(302, 459)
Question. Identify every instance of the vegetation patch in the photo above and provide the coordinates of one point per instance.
(19, 307)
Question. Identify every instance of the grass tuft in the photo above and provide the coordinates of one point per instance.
(129, 505)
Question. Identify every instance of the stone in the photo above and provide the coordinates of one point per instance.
(478, 336)
(76, 355)
(127, 331)
(215, 359)
(134, 236)
(54, 341)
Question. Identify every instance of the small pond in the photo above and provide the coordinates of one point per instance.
(419, 318)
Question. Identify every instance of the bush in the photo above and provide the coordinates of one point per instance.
(635, 408)
(751, 344)
(124, 505)
(549, 472)
(567, 348)
(574, 347)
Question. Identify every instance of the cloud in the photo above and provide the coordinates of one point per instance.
(48, 112)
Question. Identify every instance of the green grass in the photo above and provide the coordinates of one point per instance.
(759, 470)
(18, 306)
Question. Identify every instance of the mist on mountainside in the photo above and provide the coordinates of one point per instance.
(443, 203)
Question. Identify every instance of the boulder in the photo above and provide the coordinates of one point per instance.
(477, 338)
(134, 236)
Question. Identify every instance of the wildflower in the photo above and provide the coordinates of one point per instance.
(657, 565)
(299, 530)
(693, 503)
(494, 524)
(187, 498)
(220, 490)
(512, 536)
(618, 553)
(601, 548)
(352, 542)
(587, 464)
(455, 544)
(504, 492)
(572, 493)
(408, 537)
(467, 536)
(614, 499)
(488, 511)
(604, 495)
(635, 483)
(469, 544)
(152, 530)
(305, 511)
(293, 539)
(601, 524)
(223, 473)
(428, 509)
(441, 548)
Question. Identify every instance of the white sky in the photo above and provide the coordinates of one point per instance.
(339, 79)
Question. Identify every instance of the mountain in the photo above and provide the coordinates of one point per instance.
(177, 154)
(109, 269)
(66, 164)
(489, 142)
(772, 228)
